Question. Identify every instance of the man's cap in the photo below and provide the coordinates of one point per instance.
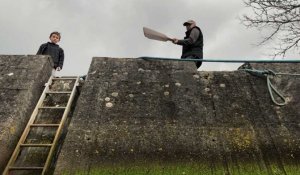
(189, 22)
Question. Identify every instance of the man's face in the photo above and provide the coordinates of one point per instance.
(189, 26)
(54, 38)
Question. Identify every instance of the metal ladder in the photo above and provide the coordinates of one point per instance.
(38, 143)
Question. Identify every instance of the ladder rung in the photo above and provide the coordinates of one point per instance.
(57, 92)
(26, 168)
(52, 107)
(44, 125)
(64, 78)
(36, 145)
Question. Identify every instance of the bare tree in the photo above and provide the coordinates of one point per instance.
(281, 18)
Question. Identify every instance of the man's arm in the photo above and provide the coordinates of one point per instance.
(192, 39)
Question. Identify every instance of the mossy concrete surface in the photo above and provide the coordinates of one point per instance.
(139, 116)
(22, 78)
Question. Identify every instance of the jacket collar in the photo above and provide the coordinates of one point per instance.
(53, 43)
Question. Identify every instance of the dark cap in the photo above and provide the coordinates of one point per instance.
(189, 22)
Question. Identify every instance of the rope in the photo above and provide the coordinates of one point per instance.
(224, 60)
(269, 74)
(271, 88)
(287, 74)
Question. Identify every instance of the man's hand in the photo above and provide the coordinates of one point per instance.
(58, 69)
(175, 40)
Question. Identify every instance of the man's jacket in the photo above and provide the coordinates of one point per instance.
(192, 46)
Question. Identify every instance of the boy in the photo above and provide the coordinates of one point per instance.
(53, 49)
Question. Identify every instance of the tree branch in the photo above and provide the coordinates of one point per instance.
(281, 17)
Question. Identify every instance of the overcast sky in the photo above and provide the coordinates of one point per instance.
(113, 28)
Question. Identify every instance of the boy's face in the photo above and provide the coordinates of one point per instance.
(54, 38)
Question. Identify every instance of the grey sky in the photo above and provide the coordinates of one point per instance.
(113, 28)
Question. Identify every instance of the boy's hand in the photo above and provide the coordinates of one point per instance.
(58, 69)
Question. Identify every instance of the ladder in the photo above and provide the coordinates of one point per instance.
(38, 143)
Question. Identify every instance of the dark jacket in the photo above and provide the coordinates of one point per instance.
(192, 48)
(56, 52)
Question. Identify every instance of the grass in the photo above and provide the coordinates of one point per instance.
(185, 169)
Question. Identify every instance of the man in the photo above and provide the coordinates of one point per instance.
(192, 44)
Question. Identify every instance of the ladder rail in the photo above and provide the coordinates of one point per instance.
(59, 130)
(27, 128)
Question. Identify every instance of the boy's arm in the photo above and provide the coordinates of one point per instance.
(39, 52)
(61, 58)
(41, 49)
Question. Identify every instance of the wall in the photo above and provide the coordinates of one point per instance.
(22, 78)
(143, 116)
